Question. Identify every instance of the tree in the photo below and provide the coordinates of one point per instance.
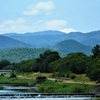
(77, 62)
(93, 70)
(4, 63)
(96, 51)
(42, 63)
(74, 62)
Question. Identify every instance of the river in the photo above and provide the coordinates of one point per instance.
(21, 89)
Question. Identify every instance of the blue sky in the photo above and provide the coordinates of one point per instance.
(23, 16)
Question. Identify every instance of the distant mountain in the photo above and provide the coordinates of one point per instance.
(90, 38)
(7, 43)
(39, 39)
(70, 46)
(49, 38)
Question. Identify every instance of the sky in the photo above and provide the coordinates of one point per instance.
(21, 16)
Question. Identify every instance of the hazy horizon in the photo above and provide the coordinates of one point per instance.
(18, 16)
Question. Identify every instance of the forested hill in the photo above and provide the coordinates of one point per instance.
(19, 54)
(7, 43)
(70, 46)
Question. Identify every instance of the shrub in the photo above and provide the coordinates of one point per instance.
(13, 75)
(77, 89)
(68, 74)
(72, 76)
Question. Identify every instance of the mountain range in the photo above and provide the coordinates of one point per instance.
(30, 45)
(49, 38)
(7, 43)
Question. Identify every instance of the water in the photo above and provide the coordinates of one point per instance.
(18, 89)
(9, 89)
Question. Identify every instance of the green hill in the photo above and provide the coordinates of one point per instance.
(19, 54)
(70, 46)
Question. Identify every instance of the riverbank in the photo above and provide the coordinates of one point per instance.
(52, 85)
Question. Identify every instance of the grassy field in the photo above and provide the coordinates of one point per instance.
(80, 83)
(82, 79)
(5, 79)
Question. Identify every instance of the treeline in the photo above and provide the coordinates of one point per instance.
(51, 62)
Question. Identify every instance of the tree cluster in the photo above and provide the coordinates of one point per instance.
(50, 61)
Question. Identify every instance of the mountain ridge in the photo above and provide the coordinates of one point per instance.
(7, 43)
(49, 38)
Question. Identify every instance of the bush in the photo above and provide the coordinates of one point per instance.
(77, 89)
(13, 75)
(72, 76)
(68, 74)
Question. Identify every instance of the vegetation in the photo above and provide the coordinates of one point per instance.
(15, 80)
(77, 67)
(19, 54)
(50, 61)
(60, 87)
(41, 77)
(42, 63)
(13, 75)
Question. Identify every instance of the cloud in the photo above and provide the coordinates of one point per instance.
(41, 7)
(13, 25)
(56, 24)
(68, 30)
(21, 25)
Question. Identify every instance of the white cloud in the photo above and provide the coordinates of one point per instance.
(13, 25)
(56, 24)
(41, 7)
(14, 22)
(67, 30)
(21, 25)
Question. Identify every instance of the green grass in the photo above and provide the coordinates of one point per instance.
(76, 85)
(60, 87)
(16, 81)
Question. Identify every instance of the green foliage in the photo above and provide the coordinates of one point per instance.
(74, 62)
(80, 89)
(93, 70)
(16, 81)
(50, 61)
(4, 63)
(59, 87)
(19, 54)
(72, 76)
(25, 66)
(42, 63)
(97, 99)
(96, 51)
(13, 75)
